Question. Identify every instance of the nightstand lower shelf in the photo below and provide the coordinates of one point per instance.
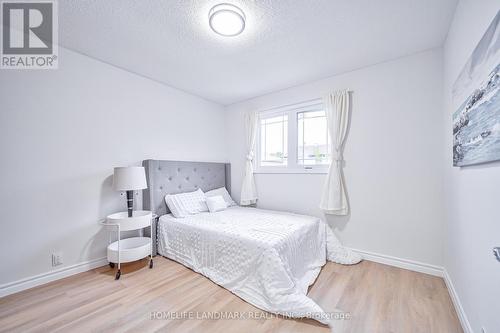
(131, 249)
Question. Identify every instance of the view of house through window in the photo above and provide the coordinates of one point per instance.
(274, 141)
(313, 138)
(293, 140)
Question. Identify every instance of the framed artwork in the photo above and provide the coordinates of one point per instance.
(476, 122)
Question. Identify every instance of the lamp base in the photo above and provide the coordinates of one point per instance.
(130, 202)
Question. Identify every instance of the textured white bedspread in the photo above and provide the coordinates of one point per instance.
(267, 258)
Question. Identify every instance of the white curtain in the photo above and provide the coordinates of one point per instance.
(334, 199)
(248, 191)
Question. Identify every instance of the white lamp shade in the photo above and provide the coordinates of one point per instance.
(129, 178)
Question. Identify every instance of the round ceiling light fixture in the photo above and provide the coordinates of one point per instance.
(226, 19)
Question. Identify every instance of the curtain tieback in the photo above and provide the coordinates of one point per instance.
(250, 156)
(338, 158)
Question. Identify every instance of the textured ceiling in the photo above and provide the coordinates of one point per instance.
(285, 43)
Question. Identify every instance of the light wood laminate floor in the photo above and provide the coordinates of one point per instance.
(379, 298)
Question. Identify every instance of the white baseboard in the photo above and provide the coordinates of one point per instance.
(27, 283)
(411, 265)
(458, 305)
(427, 269)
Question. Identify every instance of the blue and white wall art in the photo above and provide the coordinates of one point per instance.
(476, 123)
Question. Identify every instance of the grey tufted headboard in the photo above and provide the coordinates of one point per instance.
(171, 177)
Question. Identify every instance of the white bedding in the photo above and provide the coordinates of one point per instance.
(267, 258)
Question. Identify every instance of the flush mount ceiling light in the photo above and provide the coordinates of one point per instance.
(226, 19)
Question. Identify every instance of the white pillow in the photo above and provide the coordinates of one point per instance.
(216, 203)
(222, 192)
(184, 204)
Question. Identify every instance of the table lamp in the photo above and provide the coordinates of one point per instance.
(129, 179)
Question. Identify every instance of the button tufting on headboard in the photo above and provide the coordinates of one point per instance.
(172, 177)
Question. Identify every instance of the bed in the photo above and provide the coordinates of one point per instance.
(267, 258)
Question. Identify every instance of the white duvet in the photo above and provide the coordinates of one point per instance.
(267, 258)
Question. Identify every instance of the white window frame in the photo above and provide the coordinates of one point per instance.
(292, 166)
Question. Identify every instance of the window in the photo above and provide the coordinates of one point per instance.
(293, 139)
(274, 141)
(313, 138)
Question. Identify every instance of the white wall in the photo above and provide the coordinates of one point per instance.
(393, 153)
(62, 132)
(472, 193)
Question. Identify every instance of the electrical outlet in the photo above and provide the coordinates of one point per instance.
(57, 259)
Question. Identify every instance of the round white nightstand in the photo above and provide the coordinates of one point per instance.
(129, 249)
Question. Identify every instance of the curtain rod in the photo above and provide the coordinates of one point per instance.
(301, 102)
(291, 104)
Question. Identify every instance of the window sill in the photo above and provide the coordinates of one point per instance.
(291, 171)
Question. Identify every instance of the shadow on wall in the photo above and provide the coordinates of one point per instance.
(109, 200)
(337, 222)
(485, 165)
(93, 248)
